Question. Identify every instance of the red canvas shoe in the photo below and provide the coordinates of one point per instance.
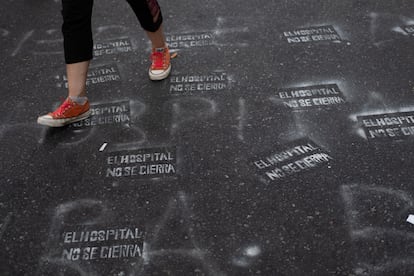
(68, 112)
(160, 67)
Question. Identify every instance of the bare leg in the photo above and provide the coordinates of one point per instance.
(77, 74)
(157, 38)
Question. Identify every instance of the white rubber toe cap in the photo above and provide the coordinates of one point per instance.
(159, 74)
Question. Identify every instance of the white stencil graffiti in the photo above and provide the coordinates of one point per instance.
(219, 36)
(155, 248)
(62, 217)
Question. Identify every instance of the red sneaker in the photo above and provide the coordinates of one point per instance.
(68, 112)
(160, 67)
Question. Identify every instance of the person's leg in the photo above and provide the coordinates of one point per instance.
(149, 16)
(78, 48)
(157, 38)
(148, 13)
(76, 75)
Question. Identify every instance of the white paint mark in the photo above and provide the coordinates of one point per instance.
(47, 53)
(101, 29)
(239, 44)
(220, 21)
(49, 41)
(52, 31)
(355, 216)
(102, 148)
(247, 256)
(138, 132)
(4, 224)
(231, 30)
(252, 251)
(111, 29)
(399, 30)
(178, 209)
(62, 211)
(20, 44)
(4, 32)
(191, 109)
(389, 22)
(384, 268)
(365, 231)
(410, 219)
(361, 133)
(241, 118)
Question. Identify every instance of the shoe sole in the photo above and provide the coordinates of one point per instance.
(62, 122)
(160, 76)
